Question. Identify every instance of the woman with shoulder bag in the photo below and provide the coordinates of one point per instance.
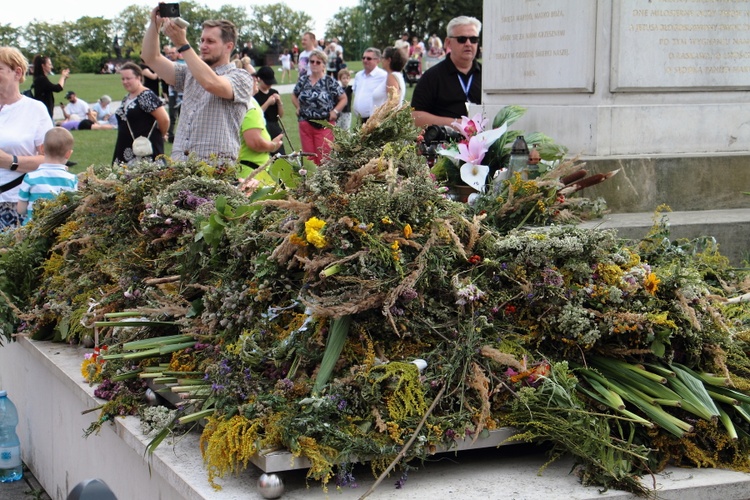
(23, 123)
(317, 96)
(138, 117)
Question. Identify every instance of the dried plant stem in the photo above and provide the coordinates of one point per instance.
(406, 447)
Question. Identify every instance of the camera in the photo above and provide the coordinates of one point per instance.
(432, 139)
(169, 10)
(438, 134)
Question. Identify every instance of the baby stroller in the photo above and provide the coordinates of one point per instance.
(412, 71)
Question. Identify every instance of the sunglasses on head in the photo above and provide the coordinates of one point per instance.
(462, 39)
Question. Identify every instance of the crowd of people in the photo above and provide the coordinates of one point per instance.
(221, 109)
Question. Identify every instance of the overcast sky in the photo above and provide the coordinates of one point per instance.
(56, 11)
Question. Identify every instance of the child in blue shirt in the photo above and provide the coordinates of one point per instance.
(52, 176)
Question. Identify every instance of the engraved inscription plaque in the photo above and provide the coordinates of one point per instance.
(539, 46)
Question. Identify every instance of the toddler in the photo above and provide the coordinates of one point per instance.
(345, 119)
(52, 176)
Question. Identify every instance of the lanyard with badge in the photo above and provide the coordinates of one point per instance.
(466, 87)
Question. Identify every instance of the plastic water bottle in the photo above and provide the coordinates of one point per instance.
(11, 468)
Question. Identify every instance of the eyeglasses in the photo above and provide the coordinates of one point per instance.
(313, 61)
(462, 39)
(368, 58)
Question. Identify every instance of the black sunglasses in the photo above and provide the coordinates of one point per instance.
(368, 58)
(462, 39)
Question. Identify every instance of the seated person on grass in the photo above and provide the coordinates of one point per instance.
(52, 176)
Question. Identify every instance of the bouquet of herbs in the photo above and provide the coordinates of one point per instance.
(354, 311)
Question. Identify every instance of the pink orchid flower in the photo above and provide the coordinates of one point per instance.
(470, 127)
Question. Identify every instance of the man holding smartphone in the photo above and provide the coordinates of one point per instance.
(215, 93)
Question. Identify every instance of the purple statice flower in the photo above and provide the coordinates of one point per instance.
(402, 480)
(186, 199)
(346, 478)
(552, 277)
(468, 293)
(408, 295)
(224, 368)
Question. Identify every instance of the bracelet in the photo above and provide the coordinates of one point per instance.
(184, 48)
(336, 111)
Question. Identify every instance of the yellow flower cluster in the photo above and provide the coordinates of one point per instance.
(394, 432)
(395, 253)
(407, 396)
(228, 444)
(313, 233)
(321, 458)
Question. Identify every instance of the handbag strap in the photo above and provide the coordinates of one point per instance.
(131, 130)
(10, 185)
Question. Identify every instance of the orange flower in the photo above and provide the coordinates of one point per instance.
(651, 283)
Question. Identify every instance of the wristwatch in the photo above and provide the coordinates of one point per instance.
(14, 163)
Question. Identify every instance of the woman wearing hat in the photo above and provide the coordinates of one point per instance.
(269, 100)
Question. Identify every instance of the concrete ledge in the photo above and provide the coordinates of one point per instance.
(730, 228)
(689, 182)
(44, 381)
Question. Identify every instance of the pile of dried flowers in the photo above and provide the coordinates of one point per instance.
(355, 311)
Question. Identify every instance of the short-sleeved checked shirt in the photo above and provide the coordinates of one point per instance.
(209, 125)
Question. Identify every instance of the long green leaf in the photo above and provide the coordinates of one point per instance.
(334, 346)
(696, 391)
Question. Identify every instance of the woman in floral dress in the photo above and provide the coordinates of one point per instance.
(141, 114)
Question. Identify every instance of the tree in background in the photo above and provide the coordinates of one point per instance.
(389, 18)
(349, 26)
(52, 40)
(130, 24)
(9, 35)
(279, 21)
(91, 34)
(82, 44)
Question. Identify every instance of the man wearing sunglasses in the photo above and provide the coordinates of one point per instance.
(444, 91)
(369, 85)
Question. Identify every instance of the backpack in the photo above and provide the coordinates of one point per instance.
(29, 92)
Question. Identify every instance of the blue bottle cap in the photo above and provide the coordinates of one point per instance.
(3, 394)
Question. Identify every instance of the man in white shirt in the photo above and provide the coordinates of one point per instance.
(308, 44)
(77, 107)
(369, 85)
(402, 44)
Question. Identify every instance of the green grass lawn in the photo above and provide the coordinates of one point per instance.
(95, 147)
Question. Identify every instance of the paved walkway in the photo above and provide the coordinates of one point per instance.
(28, 487)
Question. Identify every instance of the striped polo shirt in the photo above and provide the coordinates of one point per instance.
(46, 182)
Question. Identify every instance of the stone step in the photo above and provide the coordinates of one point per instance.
(729, 227)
